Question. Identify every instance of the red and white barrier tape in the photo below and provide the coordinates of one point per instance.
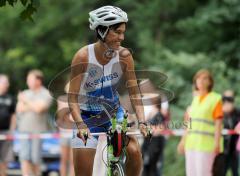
(32, 136)
(69, 135)
(49, 135)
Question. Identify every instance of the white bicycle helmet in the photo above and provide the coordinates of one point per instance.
(106, 16)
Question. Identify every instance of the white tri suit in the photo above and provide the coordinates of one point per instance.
(98, 98)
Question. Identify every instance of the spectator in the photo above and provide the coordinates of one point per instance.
(231, 118)
(7, 123)
(202, 142)
(32, 112)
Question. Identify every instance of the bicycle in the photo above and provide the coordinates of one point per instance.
(116, 146)
(117, 141)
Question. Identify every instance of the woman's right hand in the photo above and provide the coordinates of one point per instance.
(83, 134)
(180, 148)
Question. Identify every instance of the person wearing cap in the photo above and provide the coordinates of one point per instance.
(96, 71)
(230, 120)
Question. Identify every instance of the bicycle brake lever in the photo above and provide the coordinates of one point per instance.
(85, 135)
(149, 135)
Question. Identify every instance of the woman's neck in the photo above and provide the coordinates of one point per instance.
(202, 92)
(100, 50)
(100, 47)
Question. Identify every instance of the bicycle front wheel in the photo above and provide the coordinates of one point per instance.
(117, 170)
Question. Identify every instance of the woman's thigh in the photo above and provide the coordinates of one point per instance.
(83, 160)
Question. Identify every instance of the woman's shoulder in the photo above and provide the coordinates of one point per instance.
(215, 94)
(215, 97)
(125, 57)
(81, 55)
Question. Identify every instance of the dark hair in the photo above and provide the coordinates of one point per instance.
(115, 26)
(104, 28)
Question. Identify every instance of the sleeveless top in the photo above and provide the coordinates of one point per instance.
(99, 84)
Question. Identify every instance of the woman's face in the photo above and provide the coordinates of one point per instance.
(203, 82)
(115, 37)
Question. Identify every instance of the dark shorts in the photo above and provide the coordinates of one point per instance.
(102, 123)
(95, 125)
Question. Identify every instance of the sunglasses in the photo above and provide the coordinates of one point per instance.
(227, 99)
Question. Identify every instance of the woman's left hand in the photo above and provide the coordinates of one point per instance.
(145, 130)
(217, 149)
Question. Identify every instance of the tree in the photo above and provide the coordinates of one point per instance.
(30, 7)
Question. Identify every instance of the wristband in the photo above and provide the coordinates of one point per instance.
(141, 122)
(81, 125)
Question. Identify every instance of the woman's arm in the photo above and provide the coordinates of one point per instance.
(218, 134)
(133, 90)
(218, 116)
(181, 145)
(132, 85)
(78, 68)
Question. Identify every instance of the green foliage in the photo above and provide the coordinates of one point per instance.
(30, 6)
(180, 37)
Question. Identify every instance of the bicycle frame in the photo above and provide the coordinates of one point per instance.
(113, 160)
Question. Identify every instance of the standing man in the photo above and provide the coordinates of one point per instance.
(7, 123)
(32, 108)
(230, 120)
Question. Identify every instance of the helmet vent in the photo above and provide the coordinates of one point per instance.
(110, 19)
(101, 12)
(102, 15)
